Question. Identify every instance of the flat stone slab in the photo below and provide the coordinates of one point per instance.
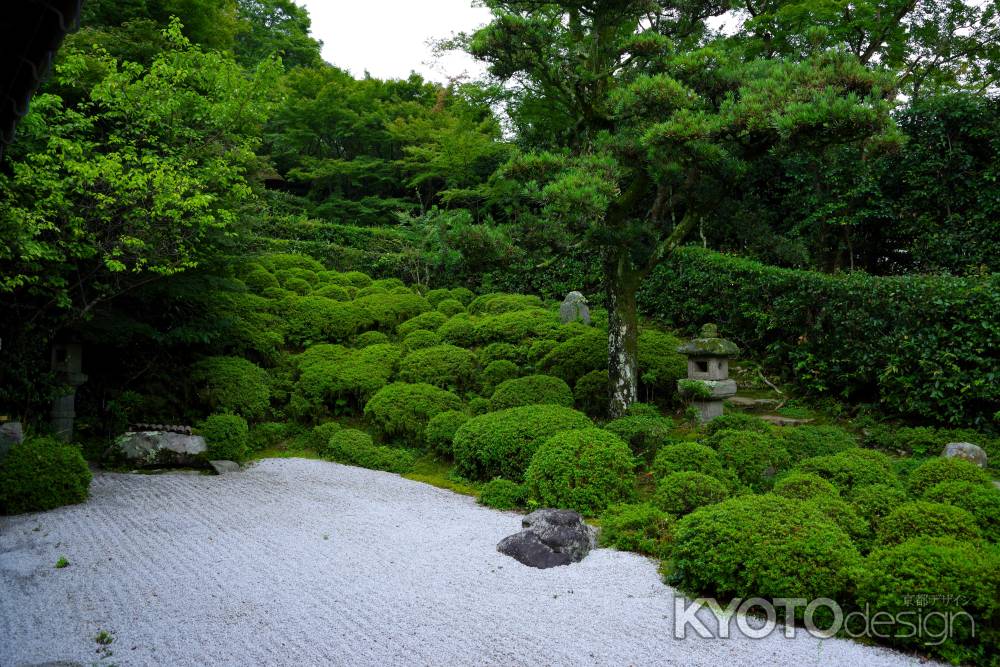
(159, 448)
(224, 467)
(753, 403)
(778, 420)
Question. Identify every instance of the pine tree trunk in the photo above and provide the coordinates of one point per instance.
(621, 285)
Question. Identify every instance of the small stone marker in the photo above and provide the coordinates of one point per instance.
(550, 538)
(574, 309)
(967, 451)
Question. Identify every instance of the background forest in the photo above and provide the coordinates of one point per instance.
(819, 179)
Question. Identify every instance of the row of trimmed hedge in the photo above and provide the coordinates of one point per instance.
(921, 346)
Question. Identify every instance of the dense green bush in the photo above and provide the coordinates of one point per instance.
(761, 545)
(516, 326)
(458, 330)
(681, 493)
(539, 348)
(370, 338)
(357, 279)
(332, 376)
(497, 372)
(639, 409)
(388, 311)
(445, 366)
(874, 502)
(402, 410)
(420, 339)
(936, 578)
(42, 474)
(275, 262)
(233, 384)
(315, 439)
(450, 307)
(922, 441)
(590, 393)
(660, 365)
(922, 518)
(479, 405)
(314, 319)
(865, 338)
(430, 320)
(803, 442)
(501, 444)
(353, 447)
(844, 515)
(851, 468)
(503, 494)
(803, 486)
(259, 280)
(441, 429)
(576, 357)
(531, 390)
(942, 469)
(267, 435)
(298, 286)
(637, 527)
(335, 292)
(644, 435)
(737, 421)
(505, 351)
(227, 437)
(495, 304)
(982, 502)
(686, 457)
(585, 470)
(463, 295)
(436, 296)
(755, 458)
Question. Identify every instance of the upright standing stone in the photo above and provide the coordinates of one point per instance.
(708, 363)
(574, 309)
(966, 451)
(67, 363)
(11, 434)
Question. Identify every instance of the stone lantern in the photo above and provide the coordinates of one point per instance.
(67, 363)
(708, 363)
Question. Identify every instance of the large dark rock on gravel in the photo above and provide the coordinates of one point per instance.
(550, 538)
(159, 448)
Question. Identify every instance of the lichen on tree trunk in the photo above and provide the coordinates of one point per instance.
(621, 284)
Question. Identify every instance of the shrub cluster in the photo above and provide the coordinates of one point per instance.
(402, 410)
(531, 390)
(755, 458)
(922, 518)
(637, 527)
(445, 366)
(354, 447)
(645, 435)
(42, 474)
(440, 431)
(227, 437)
(681, 493)
(233, 384)
(941, 469)
(503, 494)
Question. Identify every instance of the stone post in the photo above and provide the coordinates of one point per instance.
(67, 363)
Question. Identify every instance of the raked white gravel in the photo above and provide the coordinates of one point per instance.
(297, 562)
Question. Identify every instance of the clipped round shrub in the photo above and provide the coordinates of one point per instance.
(498, 351)
(686, 457)
(844, 515)
(495, 304)
(538, 349)
(642, 410)
(644, 435)
(275, 262)
(576, 357)
(402, 410)
(357, 279)
(390, 284)
(463, 295)
(41, 474)
(298, 285)
(803, 442)
(761, 545)
(737, 421)
(347, 380)
(531, 390)
(874, 502)
(353, 447)
(286, 276)
(430, 320)
(804, 485)
(516, 326)
(315, 439)
(449, 307)
(503, 494)
(370, 338)
(227, 437)
(501, 444)
(590, 393)
(420, 339)
(436, 296)
(335, 292)
(851, 468)
(922, 518)
(388, 311)
(585, 470)
(638, 527)
(941, 469)
(497, 372)
(441, 429)
(937, 579)
(259, 280)
(681, 493)
(982, 502)
(276, 293)
(754, 457)
(371, 290)
(233, 384)
(459, 330)
(660, 365)
(443, 366)
(313, 319)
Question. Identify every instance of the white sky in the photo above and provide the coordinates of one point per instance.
(389, 37)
